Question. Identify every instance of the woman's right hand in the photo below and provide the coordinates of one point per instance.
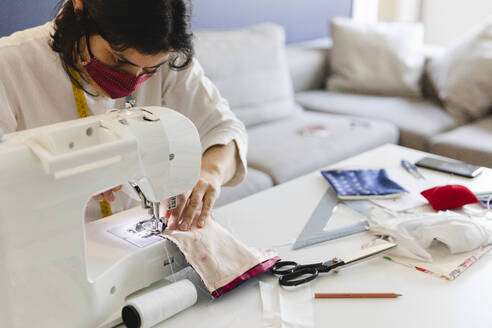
(107, 195)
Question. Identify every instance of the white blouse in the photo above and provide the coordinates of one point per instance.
(35, 90)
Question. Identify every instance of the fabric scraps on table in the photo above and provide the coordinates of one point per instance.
(356, 184)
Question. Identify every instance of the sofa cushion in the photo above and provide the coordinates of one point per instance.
(308, 64)
(471, 143)
(462, 75)
(417, 119)
(255, 181)
(281, 151)
(382, 58)
(249, 67)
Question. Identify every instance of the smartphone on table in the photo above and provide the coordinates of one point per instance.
(450, 166)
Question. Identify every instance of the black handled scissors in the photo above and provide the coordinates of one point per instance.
(292, 274)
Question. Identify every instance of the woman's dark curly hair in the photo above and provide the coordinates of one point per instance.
(149, 26)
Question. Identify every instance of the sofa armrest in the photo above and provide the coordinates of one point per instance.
(309, 64)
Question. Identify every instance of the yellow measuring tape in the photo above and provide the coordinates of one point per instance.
(83, 111)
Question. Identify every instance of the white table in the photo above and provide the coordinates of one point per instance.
(276, 216)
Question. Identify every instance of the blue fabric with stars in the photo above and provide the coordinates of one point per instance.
(357, 183)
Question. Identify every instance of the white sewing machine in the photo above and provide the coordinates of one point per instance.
(57, 271)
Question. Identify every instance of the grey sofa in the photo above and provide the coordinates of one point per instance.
(423, 123)
(259, 77)
(356, 122)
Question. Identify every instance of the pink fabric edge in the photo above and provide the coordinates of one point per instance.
(260, 268)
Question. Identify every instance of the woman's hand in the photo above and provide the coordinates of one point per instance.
(196, 206)
(107, 195)
(219, 164)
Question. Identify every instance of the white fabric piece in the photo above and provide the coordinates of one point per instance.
(36, 91)
(415, 235)
(462, 76)
(382, 58)
(249, 67)
(271, 305)
(282, 308)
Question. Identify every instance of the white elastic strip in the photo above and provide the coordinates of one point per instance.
(282, 308)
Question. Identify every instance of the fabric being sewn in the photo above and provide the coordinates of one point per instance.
(221, 260)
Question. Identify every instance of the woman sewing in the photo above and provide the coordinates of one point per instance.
(102, 54)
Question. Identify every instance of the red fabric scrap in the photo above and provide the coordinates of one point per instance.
(449, 197)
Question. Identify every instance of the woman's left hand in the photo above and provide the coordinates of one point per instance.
(219, 164)
(188, 211)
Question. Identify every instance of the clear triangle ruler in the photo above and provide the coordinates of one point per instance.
(314, 231)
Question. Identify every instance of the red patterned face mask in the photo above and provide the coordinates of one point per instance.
(115, 84)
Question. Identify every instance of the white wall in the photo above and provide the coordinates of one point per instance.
(365, 10)
(447, 20)
(399, 10)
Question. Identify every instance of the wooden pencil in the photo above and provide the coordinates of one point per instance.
(356, 295)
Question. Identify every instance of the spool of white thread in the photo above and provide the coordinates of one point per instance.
(150, 308)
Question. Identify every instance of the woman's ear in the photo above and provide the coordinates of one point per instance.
(78, 6)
